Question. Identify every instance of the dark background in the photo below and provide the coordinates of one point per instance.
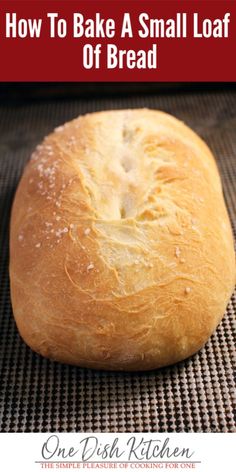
(35, 91)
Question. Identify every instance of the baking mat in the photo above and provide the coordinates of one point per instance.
(39, 395)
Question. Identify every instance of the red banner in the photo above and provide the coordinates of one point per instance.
(112, 40)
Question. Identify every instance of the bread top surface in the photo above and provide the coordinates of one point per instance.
(121, 247)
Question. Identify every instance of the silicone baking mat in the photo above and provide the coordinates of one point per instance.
(39, 395)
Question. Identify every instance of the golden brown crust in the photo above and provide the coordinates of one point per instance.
(121, 251)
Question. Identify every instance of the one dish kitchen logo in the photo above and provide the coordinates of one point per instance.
(110, 451)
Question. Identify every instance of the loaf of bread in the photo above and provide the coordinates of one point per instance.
(121, 250)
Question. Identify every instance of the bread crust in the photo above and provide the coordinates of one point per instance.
(121, 250)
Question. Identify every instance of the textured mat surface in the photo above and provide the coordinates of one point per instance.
(39, 395)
